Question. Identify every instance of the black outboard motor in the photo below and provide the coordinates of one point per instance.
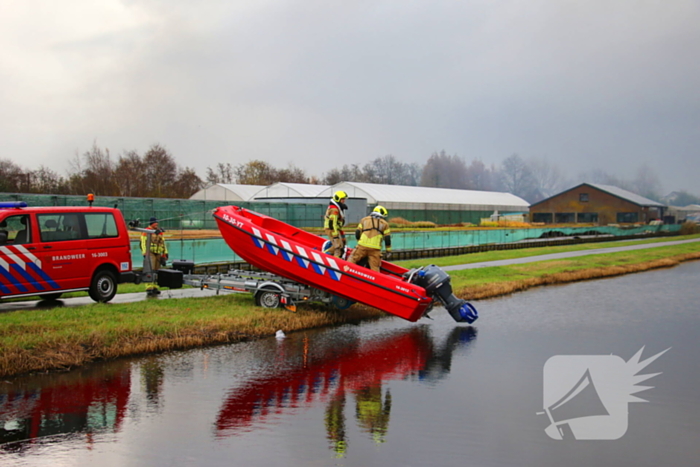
(436, 282)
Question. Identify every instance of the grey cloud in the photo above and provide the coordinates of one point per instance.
(318, 83)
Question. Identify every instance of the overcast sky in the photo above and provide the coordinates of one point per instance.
(321, 83)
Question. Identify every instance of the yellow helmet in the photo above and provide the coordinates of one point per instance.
(339, 195)
(381, 211)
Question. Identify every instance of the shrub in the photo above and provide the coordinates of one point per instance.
(399, 222)
(689, 228)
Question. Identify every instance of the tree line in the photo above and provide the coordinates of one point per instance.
(156, 174)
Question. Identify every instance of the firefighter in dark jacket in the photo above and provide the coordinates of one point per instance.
(369, 233)
(334, 220)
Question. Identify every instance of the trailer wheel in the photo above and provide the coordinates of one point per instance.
(103, 286)
(342, 303)
(268, 297)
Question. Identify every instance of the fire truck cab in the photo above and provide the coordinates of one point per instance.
(47, 251)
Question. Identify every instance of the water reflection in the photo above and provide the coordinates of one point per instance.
(333, 375)
(77, 402)
(152, 376)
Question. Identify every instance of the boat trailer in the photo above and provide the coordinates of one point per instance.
(269, 290)
(273, 291)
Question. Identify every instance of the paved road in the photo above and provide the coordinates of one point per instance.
(181, 293)
(119, 298)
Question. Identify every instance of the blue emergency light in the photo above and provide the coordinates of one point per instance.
(13, 204)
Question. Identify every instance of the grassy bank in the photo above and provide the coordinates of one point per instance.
(59, 338)
(62, 338)
(490, 282)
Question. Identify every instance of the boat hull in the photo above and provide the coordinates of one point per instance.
(287, 251)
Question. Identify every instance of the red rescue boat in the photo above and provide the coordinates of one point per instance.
(285, 250)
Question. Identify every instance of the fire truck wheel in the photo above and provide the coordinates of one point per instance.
(268, 298)
(103, 287)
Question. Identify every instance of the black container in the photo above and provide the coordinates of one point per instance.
(170, 278)
(187, 267)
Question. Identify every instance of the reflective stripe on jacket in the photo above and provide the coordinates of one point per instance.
(333, 220)
(370, 232)
(158, 246)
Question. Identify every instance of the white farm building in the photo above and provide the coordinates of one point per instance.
(413, 203)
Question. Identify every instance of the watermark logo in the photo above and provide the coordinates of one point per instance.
(586, 396)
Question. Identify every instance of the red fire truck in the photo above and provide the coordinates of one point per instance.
(47, 251)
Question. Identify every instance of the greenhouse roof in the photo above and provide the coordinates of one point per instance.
(290, 190)
(377, 194)
(228, 192)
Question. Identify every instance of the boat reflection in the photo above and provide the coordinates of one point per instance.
(329, 375)
(87, 401)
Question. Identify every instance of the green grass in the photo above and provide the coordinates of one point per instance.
(479, 276)
(528, 252)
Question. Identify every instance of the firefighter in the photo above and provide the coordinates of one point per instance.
(369, 234)
(334, 220)
(158, 252)
(371, 413)
(335, 423)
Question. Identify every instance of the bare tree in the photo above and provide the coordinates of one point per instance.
(93, 172)
(160, 171)
(547, 177)
(646, 183)
(45, 180)
(351, 173)
(444, 171)
(130, 175)
(333, 176)
(187, 183)
(292, 174)
(388, 170)
(12, 177)
(480, 177)
(223, 173)
(602, 177)
(255, 172)
(516, 178)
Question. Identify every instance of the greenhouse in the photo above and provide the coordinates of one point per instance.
(175, 214)
(302, 205)
(439, 205)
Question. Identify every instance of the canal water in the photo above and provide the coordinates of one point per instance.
(554, 362)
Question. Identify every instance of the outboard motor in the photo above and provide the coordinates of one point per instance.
(436, 282)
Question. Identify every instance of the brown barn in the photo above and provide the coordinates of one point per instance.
(596, 204)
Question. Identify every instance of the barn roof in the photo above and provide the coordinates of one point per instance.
(615, 191)
(627, 195)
